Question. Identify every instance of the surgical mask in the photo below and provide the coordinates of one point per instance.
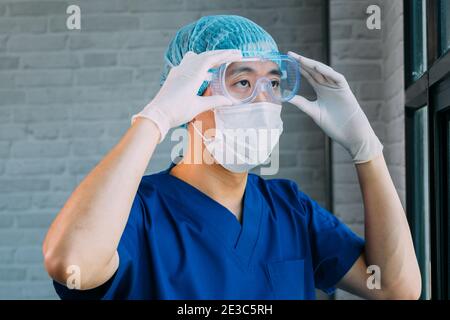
(245, 135)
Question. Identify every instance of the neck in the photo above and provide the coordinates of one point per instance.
(225, 187)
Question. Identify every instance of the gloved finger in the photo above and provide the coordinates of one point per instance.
(219, 51)
(310, 63)
(309, 107)
(306, 68)
(193, 57)
(308, 75)
(294, 55)
(187, 57)
(305, 62)
(322, 73)
(189, 53)
(329, 73)
(209, 102)
(331, 82)
(321, 78)
(210, 59)
(195, 66)
(218, 57)
(312, 81)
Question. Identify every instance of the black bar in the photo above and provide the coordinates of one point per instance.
(440, 69)
(432, 31)
(416, 94)
(407, 48)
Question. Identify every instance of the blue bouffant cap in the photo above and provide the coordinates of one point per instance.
(215, 33)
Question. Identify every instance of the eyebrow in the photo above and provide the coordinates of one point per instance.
(275, 72)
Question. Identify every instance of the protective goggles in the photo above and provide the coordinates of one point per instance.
(274, 75)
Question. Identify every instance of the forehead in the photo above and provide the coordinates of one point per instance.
(262, 67)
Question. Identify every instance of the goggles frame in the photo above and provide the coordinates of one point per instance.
(263, 84)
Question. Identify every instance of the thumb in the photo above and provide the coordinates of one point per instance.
(309, 107)
(209, 102)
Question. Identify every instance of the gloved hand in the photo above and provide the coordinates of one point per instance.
(177, 101)
(336, 110)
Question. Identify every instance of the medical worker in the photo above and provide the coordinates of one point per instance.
(210, 230)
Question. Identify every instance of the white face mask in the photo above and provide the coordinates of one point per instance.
(245, 134)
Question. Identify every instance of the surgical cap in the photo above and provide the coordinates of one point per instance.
(215, 33)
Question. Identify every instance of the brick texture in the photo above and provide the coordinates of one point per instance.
(66, 97)
(372, 61)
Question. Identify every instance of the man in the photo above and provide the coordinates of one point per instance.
(209, 229)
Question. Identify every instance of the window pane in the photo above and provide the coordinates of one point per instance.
(418, 39)
(448, 205)
(444, 22)
(418, 192)
(422, 121)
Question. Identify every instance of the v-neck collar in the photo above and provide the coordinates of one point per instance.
(240, 237)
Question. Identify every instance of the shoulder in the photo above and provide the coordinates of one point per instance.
(145, 198)
(148, 183)
(285, 193)
(151, 184)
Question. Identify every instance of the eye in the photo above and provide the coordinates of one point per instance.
(242, 83)
(275, 83)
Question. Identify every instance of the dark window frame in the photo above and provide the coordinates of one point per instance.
(429, 91)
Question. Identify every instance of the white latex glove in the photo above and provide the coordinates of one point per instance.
(177, 101)
(336, 110)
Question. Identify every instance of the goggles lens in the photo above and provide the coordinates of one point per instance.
(272, 77)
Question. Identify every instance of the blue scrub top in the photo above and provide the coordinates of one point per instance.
(179, 243)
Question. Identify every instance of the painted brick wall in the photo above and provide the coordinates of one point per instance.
(372, 61)
(66, 97)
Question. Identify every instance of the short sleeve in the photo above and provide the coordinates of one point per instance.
(119, 286)
(334, 247)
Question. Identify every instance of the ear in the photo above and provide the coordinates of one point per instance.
(207, 92)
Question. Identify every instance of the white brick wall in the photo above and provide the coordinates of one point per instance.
(66, 97)
(372, 61)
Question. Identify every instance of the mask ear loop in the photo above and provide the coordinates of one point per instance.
(199, 133)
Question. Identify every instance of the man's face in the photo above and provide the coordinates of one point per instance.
(241, 78)
(240, 81)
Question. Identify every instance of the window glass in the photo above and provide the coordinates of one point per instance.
(418, 39)
(418, 193)
(422, 121)
(444, 26)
